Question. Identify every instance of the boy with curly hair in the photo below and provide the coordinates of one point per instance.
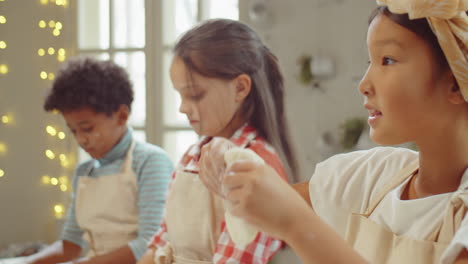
(119, 195)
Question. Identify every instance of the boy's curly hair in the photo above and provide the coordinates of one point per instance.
(85, 82)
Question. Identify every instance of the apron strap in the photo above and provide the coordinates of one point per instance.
(401, 176)
(453, 218)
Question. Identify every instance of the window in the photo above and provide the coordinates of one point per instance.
(139, 35)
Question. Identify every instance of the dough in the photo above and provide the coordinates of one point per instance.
(240, 231)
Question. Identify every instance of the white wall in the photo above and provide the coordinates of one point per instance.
(336, 28)
(26, 206)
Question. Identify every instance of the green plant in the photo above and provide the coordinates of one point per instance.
(351, 130)
(305, 76)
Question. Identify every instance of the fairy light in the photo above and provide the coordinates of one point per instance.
(3, 69)
(7, 119)
(54, 181)
(42, 24)
(58, 25)
(45, 179)
(59, 211)
(63, 187)
(2, 173)
(50, 154)
(3, 148)
(51, 130)
(61, 135)
(3, 44)
(61, 183)
(63, 179)
(65, 164)
(3, 20)
(64, 160)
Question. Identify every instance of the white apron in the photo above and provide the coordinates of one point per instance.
(379, 245)
(193, 219)
(107, 208)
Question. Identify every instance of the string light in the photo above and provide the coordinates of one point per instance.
(2, 173)
(3, 44)
(58, 25)
(50, 154)
(61, 135)
(45, 179)
(62, 183)
(2, 20)
(7, 119)
(3, 148)
(61, 58)
(63, 179)
(42, 24)
(51, 130)
(64, 161)
(59, 211)
(54, 181)
(63, 187)
(3, 69)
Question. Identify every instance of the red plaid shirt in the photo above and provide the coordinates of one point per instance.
(264, 247)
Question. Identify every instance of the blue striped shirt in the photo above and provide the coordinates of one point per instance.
(153, 169)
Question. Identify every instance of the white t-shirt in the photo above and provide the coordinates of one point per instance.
(346, 183)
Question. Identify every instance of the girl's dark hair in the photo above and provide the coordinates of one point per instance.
(418, 26)
(225, 49)
(85, 82)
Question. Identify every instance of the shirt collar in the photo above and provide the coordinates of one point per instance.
(119, 150)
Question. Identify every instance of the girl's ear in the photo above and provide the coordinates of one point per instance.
(122, 114)
(243, 86)
(455, 96)
(454, 93)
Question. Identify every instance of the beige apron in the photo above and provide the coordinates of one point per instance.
(193, 218)
(107, 208)
(379, 245)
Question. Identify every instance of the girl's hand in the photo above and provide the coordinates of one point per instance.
(261, 197)
(212, 165)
